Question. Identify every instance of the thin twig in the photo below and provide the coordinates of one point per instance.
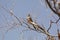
(50, 25)
(11, 13)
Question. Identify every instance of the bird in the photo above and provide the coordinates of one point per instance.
(35, 25)
(30, 21)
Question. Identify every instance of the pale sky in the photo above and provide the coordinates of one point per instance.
(22, 8)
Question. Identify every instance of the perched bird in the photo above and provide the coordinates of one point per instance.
(35, 25)
(29, 19)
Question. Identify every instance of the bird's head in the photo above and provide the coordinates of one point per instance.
(29, 19)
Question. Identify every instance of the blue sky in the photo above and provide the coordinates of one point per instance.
(22, 8)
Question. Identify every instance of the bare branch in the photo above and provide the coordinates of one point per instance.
(50, 25)
(54, 10)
